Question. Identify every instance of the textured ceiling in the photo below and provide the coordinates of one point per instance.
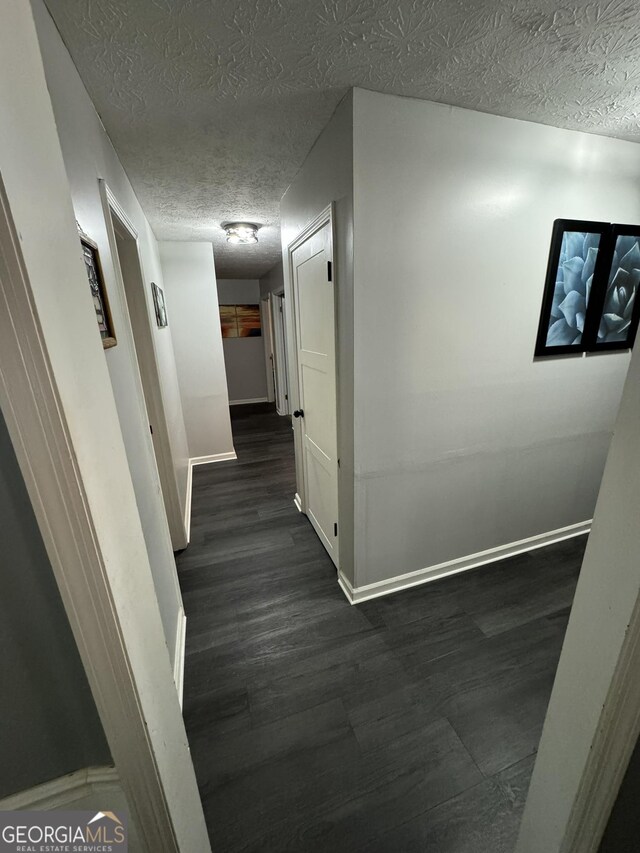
(213, 105)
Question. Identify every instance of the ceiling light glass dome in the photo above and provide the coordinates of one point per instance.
(241, 232)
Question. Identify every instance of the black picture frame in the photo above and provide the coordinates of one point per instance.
(98, 290)
(609, 298)
(562, 227)
(160, 306)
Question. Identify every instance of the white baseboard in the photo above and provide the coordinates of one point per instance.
(180, 652)
(249, 400)
(187, 503)
(215, 457)
(200, 460)
(346, 587)
(86, 788)
(355, 595)
(297, 502)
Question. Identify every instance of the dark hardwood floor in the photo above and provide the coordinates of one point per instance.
(407, 723)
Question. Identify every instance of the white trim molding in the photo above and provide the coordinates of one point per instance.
(298, 502)
(187, 501)
(615, 739)
(355, 595)
(181, 650)
(249, 400)
(71, 791)
(229, 456)
(215, 457)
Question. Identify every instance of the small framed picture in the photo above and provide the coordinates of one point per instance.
(575, 263)
(98, 291)
(160, 306)
(613, 322)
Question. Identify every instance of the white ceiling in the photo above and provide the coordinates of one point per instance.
(213, 105)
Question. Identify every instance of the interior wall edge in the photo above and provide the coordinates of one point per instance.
(187, 502)
(180, 655)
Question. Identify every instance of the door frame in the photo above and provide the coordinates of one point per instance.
(145, 353)
(281, 370)
(582, 757)
(267, 336)
(325, 217)
(166, 819)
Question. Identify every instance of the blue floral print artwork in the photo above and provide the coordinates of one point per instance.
(591, 296)
(622, 288)
(574, 278)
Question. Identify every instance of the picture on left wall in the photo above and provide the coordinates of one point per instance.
(98, 291)
(159, 305)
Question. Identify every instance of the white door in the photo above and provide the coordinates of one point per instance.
(313, 292)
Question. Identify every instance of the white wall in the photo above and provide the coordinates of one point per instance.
(88, 156)
(273, 281)
(192, 308)
(36, 186)
(326, 176)
(462, 441)
(244, 357)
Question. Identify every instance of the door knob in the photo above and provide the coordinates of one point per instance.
(298, 413)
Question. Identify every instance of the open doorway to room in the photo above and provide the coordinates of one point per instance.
(279, 345)
(124, 240)
(246, 351)
(267, 337)
(133, 371)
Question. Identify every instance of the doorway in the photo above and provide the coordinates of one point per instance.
(124, 240)
(314, 333)
(280, 366)
(267, 337)
(135, 380)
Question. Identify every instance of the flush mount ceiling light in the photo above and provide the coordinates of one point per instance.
(241, 232)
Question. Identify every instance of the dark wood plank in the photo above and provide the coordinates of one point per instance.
(319, 726)
(479, 820)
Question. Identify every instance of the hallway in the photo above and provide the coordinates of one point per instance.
(405, 723)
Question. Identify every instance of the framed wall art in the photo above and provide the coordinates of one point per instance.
(613, 323)
(590, 298)
(240, 321)
(159, 305)
(574, 256)
(98, 291)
